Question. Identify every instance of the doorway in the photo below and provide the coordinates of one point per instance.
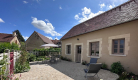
(78, 53)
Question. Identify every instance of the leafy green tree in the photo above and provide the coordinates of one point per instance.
(19, 36)
(5, 45)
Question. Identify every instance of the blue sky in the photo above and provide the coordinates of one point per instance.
(51, 18)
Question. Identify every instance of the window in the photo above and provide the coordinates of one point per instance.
(118, 46)
(79, 49)
(94, 48)
(68, 49)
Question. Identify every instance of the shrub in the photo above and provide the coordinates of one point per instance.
(104, 66)
(4, 46)
(2, 62)
(31, 57)
(22, 64)
(84, 62)
(66, 59)
(117, 68)
(21, 68)
(124, 76)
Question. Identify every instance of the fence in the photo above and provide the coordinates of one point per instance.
(16, 55)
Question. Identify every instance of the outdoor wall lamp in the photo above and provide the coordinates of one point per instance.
(77, 38)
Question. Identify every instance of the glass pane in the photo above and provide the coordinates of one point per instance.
(122, 41)
(93, 45)
(68, 48)
(115, 50)
(121, 50)
(115, 41)
(79, 49)
(97, 44)
(115, 46)
(121, 46)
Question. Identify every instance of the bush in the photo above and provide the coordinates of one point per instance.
(21, 68)
(3, 60)
(4, 46)
(84, 62)
(31, 57)
(22, 64)
(123, 76)
(117, 68)
(66, 59)
(45, 52)
(104, 66)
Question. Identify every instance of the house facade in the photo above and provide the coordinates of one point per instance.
(110, 37)
(10, 38)
(36, 40)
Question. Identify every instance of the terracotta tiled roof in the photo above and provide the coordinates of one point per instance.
(6, 37)
(120, 14)
(55, 41)
(45, 39)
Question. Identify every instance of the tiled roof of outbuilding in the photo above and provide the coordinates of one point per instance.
(45, 39)
(120, 14)
(6, 37)
(55, 41)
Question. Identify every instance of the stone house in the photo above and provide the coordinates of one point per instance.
(36, 40)
(110, 37)
(10, 38)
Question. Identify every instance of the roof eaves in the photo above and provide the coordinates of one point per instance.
(101, 28)
(95, 17)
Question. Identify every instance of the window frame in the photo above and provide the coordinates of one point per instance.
(70, 48)
(127, 44)
(118, 46)
(100, 47)
(90, 52)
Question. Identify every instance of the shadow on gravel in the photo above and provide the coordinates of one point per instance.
(73, 70)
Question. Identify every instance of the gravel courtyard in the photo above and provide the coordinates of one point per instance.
(62, 71)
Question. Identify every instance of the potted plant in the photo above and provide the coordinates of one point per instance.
(97, 53)
(92, 53)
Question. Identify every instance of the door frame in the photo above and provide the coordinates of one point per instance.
(77, 44)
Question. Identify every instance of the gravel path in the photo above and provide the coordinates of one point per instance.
(62, 71)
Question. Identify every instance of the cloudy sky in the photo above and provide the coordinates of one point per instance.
(51, 18)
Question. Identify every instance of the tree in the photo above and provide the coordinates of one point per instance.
(19, 36)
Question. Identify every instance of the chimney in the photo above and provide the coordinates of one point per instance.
(14, 34)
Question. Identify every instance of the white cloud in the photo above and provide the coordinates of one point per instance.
(111, 6)
(49, 37)
(56, 38)
(77, 17)
(14, 25)
(118, 1)
(47, 20)
(25, 37)
(25, 2)
(102, 5)
(86, 14)
(60, 7)
(46, 27)
(1, 21)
